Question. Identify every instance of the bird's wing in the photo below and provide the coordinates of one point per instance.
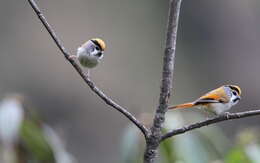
(216, 96)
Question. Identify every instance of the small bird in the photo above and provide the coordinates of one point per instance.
(217, 101)
(90, 53)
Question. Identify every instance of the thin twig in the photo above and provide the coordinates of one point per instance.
(166, 84)
(220, 118)
(87, 80)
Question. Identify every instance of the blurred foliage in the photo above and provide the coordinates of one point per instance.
(35, 141)
(218, 43)
(25, 138)
(205, 145)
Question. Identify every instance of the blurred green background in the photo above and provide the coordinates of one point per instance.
(218, 43)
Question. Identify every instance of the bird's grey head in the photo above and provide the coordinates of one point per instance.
(95, 49)
(234, 93)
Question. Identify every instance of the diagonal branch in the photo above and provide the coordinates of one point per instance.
(220, 118)
(166, 84)
(87, 80)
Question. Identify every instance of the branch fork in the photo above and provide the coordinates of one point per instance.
(153, 136)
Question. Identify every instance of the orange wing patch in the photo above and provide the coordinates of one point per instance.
(217, 95)
(182, 106)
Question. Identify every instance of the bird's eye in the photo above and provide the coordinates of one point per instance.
(97, 48)
(234, 93)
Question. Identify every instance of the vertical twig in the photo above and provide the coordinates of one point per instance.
(153, 141)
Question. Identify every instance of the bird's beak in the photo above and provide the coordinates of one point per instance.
(100, 54)
(237, 99)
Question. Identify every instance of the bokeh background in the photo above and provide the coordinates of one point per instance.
(218, 43)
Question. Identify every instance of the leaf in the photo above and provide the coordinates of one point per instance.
(33, 139)
(237, 155)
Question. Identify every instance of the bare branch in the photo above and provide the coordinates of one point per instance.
(87, 80)
(166, 84)
(220, 118)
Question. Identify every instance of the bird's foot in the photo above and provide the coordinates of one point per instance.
(73, 57)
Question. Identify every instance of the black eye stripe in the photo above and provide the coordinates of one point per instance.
(234, 88)
(96, 43)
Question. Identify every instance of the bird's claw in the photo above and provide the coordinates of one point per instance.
(72, 57)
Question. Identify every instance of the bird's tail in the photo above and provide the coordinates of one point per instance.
(182, 106)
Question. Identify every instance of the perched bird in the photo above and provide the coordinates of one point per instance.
(90, 53)
(217, 101)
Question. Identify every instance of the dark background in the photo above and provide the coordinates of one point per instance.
(218, 43)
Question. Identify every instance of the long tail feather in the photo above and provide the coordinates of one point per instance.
(182, 106)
